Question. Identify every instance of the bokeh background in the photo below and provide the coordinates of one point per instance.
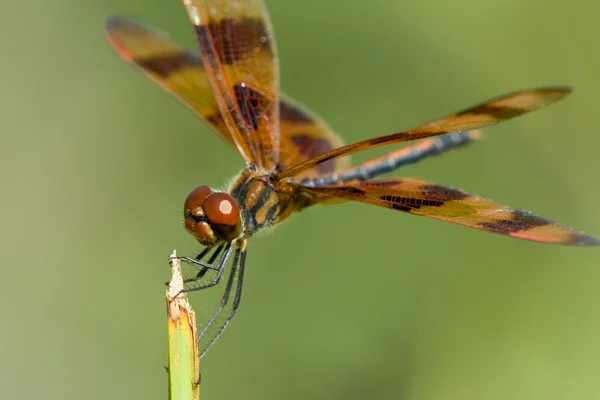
(347, 302)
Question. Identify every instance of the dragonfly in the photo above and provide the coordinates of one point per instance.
(294, 160)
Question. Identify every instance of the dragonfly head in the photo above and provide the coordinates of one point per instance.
(212, 217)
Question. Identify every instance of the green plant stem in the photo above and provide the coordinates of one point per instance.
(184, 361)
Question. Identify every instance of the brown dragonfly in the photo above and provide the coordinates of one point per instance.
(293, 159)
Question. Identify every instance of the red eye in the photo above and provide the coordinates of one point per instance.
(223, 213)
(195, 201)
(222, 209)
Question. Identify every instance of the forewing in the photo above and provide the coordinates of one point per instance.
(453, 205)
(489, 113)
(238, 51)
(180, 72)
(174, 69)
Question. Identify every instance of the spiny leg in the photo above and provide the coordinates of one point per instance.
(203, 253)
(390, 162)
(198, 259)
(211, 261)
(238, 261)
(222, 303)
(220, 267)
(236, 299)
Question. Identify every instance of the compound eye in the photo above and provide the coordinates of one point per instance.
(195, 201)
(223, 213)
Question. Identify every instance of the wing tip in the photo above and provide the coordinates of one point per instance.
(565, 236)
(113, 28)
(115, 22)
(558, 88)
(585, 240)
(557, 92)
(124, 22)
(117, 28)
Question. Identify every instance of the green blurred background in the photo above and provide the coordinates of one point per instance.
(347, 302)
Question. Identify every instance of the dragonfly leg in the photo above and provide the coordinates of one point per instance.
(219, 267)
(211, 261)
(198, 259)
(239, 261)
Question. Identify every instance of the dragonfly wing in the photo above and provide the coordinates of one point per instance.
(239, 56)
(488, 113)
(448, 204)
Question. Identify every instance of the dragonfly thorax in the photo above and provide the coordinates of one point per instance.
(212, 217)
